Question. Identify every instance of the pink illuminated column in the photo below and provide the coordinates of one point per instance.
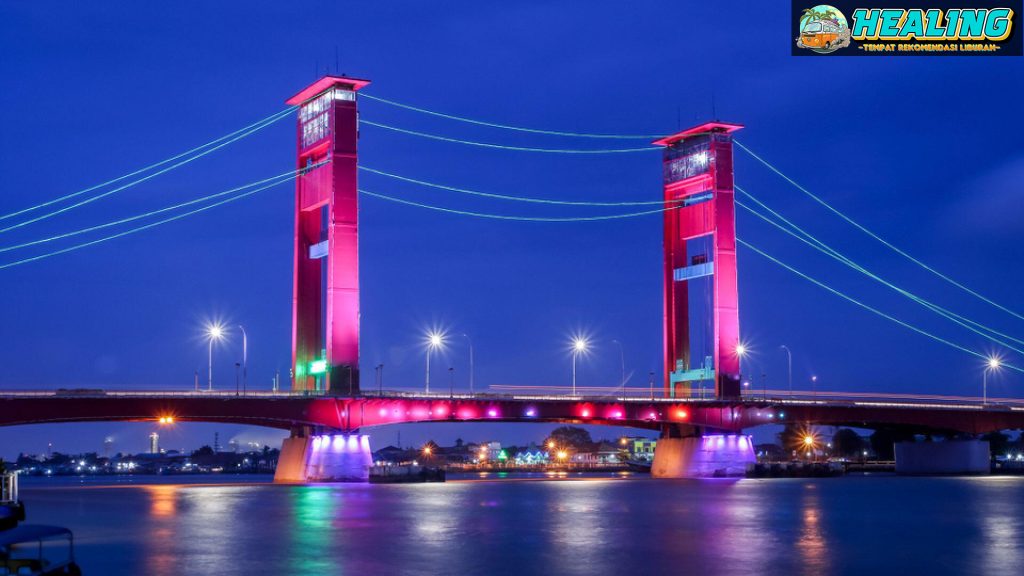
(701, 300)
(325, 308)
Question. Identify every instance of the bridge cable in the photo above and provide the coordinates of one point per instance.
(507, 126)
(807, 238)
(515, 198)
(272, 118)
(865, 230)
(187, 160)
(871, 309)
(273, 179)
(144, 227)
(514, 218)
(505, 147)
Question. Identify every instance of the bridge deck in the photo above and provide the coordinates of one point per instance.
(631, 408)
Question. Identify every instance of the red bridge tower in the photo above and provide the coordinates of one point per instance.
(702, 323)
(325, 308)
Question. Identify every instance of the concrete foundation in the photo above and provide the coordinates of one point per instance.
(710, 456)
(324, 458)
(950, 457)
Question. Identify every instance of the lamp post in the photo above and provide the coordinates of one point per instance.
(814, 387)
(992, 364)
(245, 358)
(451, 381)
(434, 340)
(622, 364)
(579, 345)
(380, 379)
(214, 332)
(789, 355)
(471, 369)
(651, 377)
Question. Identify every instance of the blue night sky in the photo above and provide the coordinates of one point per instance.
(924, 151)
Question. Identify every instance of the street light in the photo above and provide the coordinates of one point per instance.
(215, 333)
(471, 370)
(434, 340)
(579, 346)
(741, 351)
(789, 355)
(622, 364)
(245, 358)
(992, 365)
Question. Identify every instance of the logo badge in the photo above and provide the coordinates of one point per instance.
(823, 29)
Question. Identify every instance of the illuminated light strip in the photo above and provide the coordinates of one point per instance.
(273, 117)
(870, 309)
(916, 405)
(148, 177)
(283, 177)
(831, 252)
(508, 127)
(504, 147)
(514, 218)
(139, 228)
(876, 236)
(515, 198)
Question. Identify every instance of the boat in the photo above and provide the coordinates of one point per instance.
(31, 549)
(35, 550)
(639, 465)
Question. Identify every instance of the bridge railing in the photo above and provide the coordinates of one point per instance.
(555, 393)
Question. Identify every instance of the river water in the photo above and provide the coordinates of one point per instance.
(577, 525)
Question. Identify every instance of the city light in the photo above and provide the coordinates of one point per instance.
(562, 454)
(741, 350)
(166, 420)
(551, 445)
(427, 450)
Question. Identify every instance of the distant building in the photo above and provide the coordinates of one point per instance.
(154, 443)
(639, 447)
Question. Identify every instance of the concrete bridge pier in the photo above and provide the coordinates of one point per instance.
(685, 451)
(307, 456)
(948, 457)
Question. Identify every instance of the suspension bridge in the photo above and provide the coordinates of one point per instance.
(701, 406)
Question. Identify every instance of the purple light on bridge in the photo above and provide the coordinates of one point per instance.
(531, 412)
(492, 413)
(383, 412)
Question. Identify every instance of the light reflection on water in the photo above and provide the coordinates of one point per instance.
(852, 525)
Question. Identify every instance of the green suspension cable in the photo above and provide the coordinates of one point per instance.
(272, 180)
(139, 228)
(515, 218)
(506, 197)
(504, 147)
(825, 249)
(139, 180)
(876, 236)
(506, 126)
(272, 118)
(869, 308)
(818, 244)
